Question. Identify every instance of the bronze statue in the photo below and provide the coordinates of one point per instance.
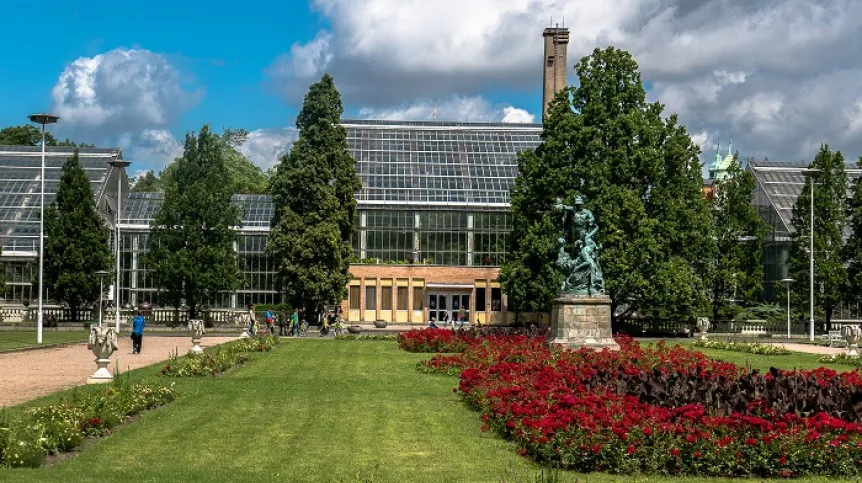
(578, 252)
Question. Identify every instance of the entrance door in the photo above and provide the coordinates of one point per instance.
(447, 308)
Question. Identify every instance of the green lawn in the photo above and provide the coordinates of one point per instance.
(797, 360)
(313, 410)
(23, 339)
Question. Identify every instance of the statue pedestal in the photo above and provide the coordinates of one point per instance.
(582, 321)
(196, 347)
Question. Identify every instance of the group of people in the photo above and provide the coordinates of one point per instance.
(295, 325)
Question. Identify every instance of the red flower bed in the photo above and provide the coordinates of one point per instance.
(434, 340)
(660, 410)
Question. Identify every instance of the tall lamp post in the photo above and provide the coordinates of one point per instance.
(120, 165)
(101, 274)
(809, 172)
(42, 119)
(787, 282)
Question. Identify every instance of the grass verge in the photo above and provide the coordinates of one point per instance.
(11, 340)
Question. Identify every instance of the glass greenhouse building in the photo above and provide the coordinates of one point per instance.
(432, 221)
(431, 227)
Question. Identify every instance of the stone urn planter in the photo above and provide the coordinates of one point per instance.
(197, 329)
(852, 334)
(702, 327)
(103, 343)
(354, 329)
(380, 324)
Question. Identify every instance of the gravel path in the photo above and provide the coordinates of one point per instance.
(813, 349)
(27, 375)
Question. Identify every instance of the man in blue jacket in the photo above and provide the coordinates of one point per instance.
(138, 333)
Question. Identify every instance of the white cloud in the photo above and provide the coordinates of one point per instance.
(264, 147)
(153, 148)
(778, 76)
(120, 91)
(453, 108)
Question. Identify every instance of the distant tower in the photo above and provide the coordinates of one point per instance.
(556, 45)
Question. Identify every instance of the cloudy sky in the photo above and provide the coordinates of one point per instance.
(779, 78)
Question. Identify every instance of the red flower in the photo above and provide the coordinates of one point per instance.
(674, 452)
(630, 449)
(697, 454)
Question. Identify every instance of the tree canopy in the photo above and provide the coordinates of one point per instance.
(853, 247)
(640, 175)
(830, 217)
(313, 191)
(191, 256)
(243, 175)
(77, 241)
(736, 270)
(30, 135)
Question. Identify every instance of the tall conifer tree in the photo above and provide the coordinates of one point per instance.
(192, 254)
(640, 175)
(77, 243)
(830, 217)
(313, 191)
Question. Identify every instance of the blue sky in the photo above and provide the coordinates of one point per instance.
(780, 77)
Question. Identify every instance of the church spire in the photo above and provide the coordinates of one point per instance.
(730, 147)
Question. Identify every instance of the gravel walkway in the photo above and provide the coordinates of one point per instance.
(813, 349)
(30, 374)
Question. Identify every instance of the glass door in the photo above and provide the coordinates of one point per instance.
(449, 309)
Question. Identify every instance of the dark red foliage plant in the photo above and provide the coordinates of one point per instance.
(653, 410)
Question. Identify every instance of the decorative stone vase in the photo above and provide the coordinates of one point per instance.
(380, 324)
(703, 327)
(103, 343)
(197, 329)
(852, 334)
(354, 329)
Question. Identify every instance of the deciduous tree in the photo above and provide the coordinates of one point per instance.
(315, 209)
(640, 175)
(830, 217)
(738, 232)
(192, 257)
(77, 241)
(853, 247)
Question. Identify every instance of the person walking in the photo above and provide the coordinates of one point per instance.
(138, 324)
(252, 323)
(270, 322)
(294, 321)
(282, 324)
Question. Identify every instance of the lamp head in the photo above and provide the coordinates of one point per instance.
(43, 118)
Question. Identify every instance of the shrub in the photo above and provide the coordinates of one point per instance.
(748, 347)
(218, 359)
(660, 410)
(26, 438)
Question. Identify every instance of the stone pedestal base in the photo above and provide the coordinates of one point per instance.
(102, 374)
(582, 321)
(196, 347)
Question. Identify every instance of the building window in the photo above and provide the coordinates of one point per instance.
(481, 293)
(386, 298)
(496, 299)
(402, 298)
(354, 297)
(370, 298)
(418, 297)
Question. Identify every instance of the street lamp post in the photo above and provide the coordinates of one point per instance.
(120, 165)
(101, 274)
(42, 119)
(809, 172)
(787, 282)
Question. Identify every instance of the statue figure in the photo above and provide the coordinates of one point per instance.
(578, 252)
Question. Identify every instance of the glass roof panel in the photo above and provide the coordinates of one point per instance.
(20, 187)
